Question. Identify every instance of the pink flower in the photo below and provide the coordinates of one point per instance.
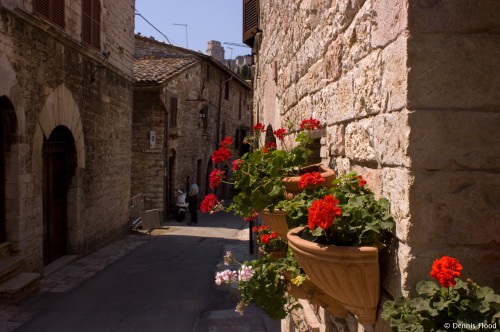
(246, 273)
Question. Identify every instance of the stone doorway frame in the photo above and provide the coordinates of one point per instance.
(60, 109)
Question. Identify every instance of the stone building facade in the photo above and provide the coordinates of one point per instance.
(410, 95)
(65, 111)
(185, 103)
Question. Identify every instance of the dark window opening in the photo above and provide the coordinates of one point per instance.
(51, 10)
(91, 23)
(173, 111)
(226, 90)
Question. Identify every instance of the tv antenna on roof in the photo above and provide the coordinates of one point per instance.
(186, 26)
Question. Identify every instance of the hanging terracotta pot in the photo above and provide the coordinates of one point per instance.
(276, 220)
(291, 183)
(275, 254)
(309, 291)
(350, 275)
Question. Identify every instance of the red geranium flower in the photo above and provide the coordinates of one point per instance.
(259, 127)
(265, 238)
(237, 164)
(310, 178)
(280, 133)
(209, 203)
(221, 155)
(216, 178)
(322, 212)
(445, 270)
(271, 145)
(274, 235)
(310, 124)
(226, 142)
(361, 181)
(265, 150)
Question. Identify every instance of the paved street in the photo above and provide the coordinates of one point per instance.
(158, 282)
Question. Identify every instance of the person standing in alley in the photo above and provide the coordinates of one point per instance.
(193, 203)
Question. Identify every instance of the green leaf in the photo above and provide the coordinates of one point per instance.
(428, 288)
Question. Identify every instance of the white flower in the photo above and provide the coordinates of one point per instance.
(246, 273)
(228, 259)
(226, 276)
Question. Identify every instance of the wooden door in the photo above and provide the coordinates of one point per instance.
(59, 164)
(3, 214)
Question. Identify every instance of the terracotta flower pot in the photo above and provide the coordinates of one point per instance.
(348, 274)
(276, 220)
(275, 254)
(309, 291)
(291, 183)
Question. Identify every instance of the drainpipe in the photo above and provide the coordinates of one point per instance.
(166, 164)
(219, 111)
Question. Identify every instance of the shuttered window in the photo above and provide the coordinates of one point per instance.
(173, 112)
(91, 23)
(51, 10)
(250, 21)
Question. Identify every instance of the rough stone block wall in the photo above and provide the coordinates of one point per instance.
(53, 80)
(409, 93)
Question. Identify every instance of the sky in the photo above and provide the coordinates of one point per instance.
(206, 20)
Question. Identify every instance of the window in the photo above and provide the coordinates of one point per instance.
(250, 21)
(51, 10)
(91, 23)
(173, 111)
(226, 90)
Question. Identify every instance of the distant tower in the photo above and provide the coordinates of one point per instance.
(215, 50)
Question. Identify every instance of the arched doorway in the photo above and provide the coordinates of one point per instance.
(59, 164)
(7, 137)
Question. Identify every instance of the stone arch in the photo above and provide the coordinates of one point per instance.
(9, 87)
(60, 109)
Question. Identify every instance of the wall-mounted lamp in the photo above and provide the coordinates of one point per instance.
(95, 69)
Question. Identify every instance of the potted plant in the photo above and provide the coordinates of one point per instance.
(260, 281)
(338, 249)
(258, 175)
(452, 304)
(269, 242)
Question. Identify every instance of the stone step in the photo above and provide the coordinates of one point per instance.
(5, 249)
(19, 287)
(10, 266)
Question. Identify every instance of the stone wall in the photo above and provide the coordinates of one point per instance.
(409, 91)
(52, 80)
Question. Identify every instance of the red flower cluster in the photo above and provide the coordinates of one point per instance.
(271, 145)
(209, 203)
(310, 124)
(257, 229)
(216, 178)
(361, 181)
(310, 179)
(259, 127)
(445, 270)
(280, 133)
(237, 164)
(226, 142)
(322, 212)
(221, 155)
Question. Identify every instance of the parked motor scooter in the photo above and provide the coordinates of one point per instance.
(181, 206)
